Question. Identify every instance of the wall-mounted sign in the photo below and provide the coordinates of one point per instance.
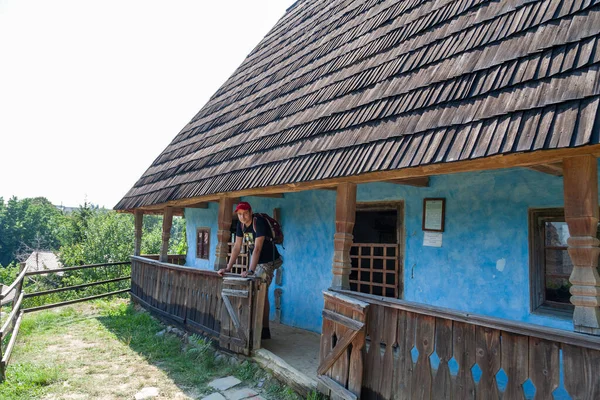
(434, 213)
(433, 239)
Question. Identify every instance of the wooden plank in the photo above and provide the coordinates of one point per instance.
(373, 367)
(235, 293)
(544, 367)
(147, 306)
(403, 371)
(488, 359)
(390, 322)
(425, 342)
(355, 374)
(443, 347)
(340, 367)
(515, 363)
(326, 345)
(234, 317)
(550, 169)
(343, 320)
(11, 343)
(463, 342)
(260, 289)
(336, 389)
(422, 181)
(340, 348)
(44, 292)
(580, 368)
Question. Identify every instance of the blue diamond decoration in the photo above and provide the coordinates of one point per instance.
(476, 372)
(529, 389)
(414, 353)
(560, 393)
(502, 380)
(453, 365)
(435, 361)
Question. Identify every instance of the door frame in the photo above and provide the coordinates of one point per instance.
(397, 205)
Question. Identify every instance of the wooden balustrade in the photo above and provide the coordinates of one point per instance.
(189, 296)
(420, 352)
(241, 264)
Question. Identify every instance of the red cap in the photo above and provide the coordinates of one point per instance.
(243, 206)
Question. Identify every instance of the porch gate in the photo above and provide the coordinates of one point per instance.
(342, 340)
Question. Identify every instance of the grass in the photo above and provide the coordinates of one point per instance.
(109, 350)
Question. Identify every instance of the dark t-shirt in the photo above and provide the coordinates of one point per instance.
(269, 250)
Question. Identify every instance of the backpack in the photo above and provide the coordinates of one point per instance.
(276, 232)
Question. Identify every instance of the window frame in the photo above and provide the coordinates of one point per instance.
(537, 263)
(199, 254)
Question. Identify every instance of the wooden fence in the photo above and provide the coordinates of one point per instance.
(420, 352)
(12, 294)
(107, 282)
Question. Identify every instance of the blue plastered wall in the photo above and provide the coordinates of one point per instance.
(482, 266)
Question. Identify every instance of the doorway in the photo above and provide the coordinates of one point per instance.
(377, 251)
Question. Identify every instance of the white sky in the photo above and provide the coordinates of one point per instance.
(92, 91)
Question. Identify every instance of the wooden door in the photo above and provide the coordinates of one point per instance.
(236, 320)
(342, 342)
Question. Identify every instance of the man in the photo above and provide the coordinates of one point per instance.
(264, 257)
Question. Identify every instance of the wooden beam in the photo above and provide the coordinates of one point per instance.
(555, 169)
(480, 164)
(417, 182)
(166, 234)
(203, 204)
(581, 215)
(272, 195)
(345, 215)
(139, 223)
(223, 233)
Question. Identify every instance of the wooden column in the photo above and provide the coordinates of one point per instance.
(139, 220)
(581, 214)
(223, 233)
(345, 215)
(166, 234)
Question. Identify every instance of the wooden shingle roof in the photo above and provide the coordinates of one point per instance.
(340, 88)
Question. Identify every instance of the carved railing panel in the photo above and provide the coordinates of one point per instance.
(420, 352)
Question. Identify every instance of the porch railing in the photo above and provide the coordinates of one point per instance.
(188, 296)
(420, 352)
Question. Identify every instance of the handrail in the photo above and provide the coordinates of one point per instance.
(12, 286)
(9, 321)
(66, 288)
(51, 271)
(520, 328)
(174, 266)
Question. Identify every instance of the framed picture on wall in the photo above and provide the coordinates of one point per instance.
(434, 214)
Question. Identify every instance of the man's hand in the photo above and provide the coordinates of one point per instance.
(222, 271)
(246, 273)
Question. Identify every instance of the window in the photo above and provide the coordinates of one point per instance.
(203, 243)
(550, 263)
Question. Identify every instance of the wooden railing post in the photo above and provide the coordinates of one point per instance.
(345, 215)
(166, 234)
(139, 223)
(224, 232)
(581, 215)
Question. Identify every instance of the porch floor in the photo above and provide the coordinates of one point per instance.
(293, 354)
(295, 346)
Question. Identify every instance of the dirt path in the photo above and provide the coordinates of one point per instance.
(94, 363)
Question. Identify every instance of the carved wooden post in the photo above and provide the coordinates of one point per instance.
(166, 234)
(345, 215)
(139, 220)
(223, 233)
(581, 214)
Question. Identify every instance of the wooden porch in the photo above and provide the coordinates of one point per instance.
(380, 348)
